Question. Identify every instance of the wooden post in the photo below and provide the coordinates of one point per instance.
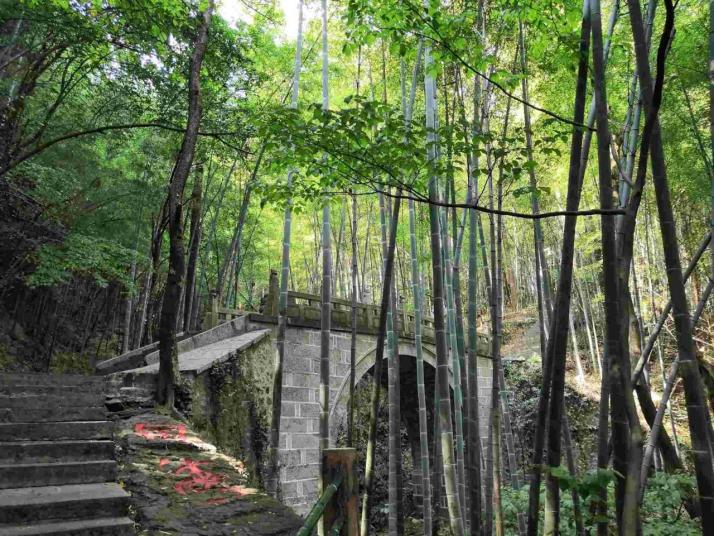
(345, 501)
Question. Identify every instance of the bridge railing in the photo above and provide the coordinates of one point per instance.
(306, 308)
(217, 314)
(337, 506)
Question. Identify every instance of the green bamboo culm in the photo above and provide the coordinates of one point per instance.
(446, 434)
(273, 485)
(316, 513)
(337, 526)
(326, 291)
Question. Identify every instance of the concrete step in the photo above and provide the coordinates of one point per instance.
(223, 331)
(23, 431)
(16, 388)
(53, 451)
(20, 475)
(107, 526)
(39, 400)
(53, 414)
(70, 502)
(52, 379)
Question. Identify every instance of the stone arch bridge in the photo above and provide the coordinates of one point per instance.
(300, 398)
(238, 344)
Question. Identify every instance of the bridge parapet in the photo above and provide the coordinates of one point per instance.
(305, 309)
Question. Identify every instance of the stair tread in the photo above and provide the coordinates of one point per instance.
(55, 464)
(34, 431)
(67, 527)
(58, 450)
(35, 382)
(53, 414)
(52, 494)
(47, 377)
(58, 422)
(43, 400)
(47, 442)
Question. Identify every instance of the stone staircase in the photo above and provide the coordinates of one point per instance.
(57, 468)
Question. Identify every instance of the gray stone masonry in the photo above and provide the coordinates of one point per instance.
(299, 455)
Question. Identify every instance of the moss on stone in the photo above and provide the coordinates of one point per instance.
(232, 404)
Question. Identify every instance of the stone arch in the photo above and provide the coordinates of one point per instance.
(338, 407)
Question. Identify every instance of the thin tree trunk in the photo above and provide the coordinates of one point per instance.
(697, 410)
(273, 480)
(543, 284)
(194, 247)
(576, 353)
(558, 329)
(656, 425)
(662, 319)
(353, 324)
(172, 294)
(227, 269)
(326, 291)
(455, 362)
(126, 335)
(369, 476)
(627, 440)
(472, 414)
(394, 436)
(496, 232)
(421, 391)
(446, 433)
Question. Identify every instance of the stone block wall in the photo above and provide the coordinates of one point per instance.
(232, 403)
(299, 453)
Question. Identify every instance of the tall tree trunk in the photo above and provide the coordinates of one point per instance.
(172, 294)
(227, 269)
(446, 433)
(353, 324)
(194, 248)
(711, 121)
(128, 302)
(394, 436)
(697, 410)
(496, 230)
(455, 361)
(421, 388)
(472, 414)
(557, 341)
(627, 435)
(273, 480)
(369, 475)
(326, 290)
(543, 284)
(396, 522)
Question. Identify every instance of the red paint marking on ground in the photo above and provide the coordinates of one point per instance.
(195, 478)
(160, 431)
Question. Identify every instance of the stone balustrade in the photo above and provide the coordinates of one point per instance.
(306, 309)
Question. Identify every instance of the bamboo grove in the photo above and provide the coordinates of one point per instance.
(468, 161)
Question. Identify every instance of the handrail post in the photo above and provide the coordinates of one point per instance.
(271, 303)
(212, 316)
(345, 501)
